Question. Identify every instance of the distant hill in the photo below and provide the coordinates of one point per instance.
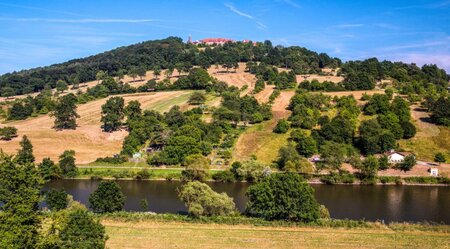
(173, 53)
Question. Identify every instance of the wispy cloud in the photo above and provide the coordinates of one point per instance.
(349, 25)
(39, 9)
(235, 10)
(386, 26)
(444, 42)
(86, 20)
(438, 5)
(291, 3)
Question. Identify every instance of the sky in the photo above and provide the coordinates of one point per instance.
(44, 32)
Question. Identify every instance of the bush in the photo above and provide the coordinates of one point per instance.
(390, 179)
(283, 197)
(8, 133)
(282, 126)
(201, 200)
(143, 174)
(336, 178)
(224, 176)
(439, 158)
(56, 199)
(111, 160)
(107, 198)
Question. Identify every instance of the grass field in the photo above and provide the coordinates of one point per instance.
(154, 234)
(260, 140)
(88, 140)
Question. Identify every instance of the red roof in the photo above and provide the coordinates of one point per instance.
(216, 40)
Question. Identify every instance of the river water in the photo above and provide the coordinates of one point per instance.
(388, 203)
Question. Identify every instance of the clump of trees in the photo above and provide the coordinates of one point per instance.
(201, 200)
(113, 114)
(107, 198)
(283, 197)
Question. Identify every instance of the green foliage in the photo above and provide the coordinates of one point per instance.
(440, 111)
(339, 130)
(25, 153)
(143, 174)
(107, 198)
(369, 167)
(306, 145)
(259, 86)
(197, 98)
(8, 132)
(407, 163)
(144, 205)
(48, 170)
(333, 154)
(197, 168)
(65, 112)
(282, 126)
(67, 163)
(409, 130)
(20, 185)
(201, 200)
(56, 199)
(283, 197)
(251, 170)
(224, 176)
(336, 178)
(439, 158)
(383, 163)
(112, 114)
(61, 86)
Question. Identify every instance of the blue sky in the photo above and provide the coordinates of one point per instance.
(39, 33)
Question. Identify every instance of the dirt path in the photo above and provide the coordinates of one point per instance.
(88, 140)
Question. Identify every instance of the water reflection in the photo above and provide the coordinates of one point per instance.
(388, 203)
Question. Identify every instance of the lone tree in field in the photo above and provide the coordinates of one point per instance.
(201, 200)
(112, 114)
(25, 154)
(65, 112)
(107, 198)
(67, 163)
(101, 75)
(197, 98)
(439, 158)
(156, 72)
(8, 133)
(20, 185)
(283, 197)
(61, 86)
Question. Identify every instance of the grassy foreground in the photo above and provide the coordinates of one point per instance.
(166, 234)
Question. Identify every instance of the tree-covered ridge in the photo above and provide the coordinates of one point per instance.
(167, 53)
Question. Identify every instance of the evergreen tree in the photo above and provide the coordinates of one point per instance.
(25, 154)
(20, 185)
(67, 163)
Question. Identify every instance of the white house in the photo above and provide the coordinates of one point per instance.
(434, 172)
(397, 157)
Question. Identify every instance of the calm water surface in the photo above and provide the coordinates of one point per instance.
(388, 203)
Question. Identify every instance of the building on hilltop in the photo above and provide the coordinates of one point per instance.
(214, 41)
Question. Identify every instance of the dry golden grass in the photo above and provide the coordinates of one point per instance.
(152, 234)
(88, 140)
(238, 78)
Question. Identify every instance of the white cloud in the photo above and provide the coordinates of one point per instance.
(291, 3)
(235, 10)
(349, 25)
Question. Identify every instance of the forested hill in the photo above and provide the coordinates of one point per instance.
(173, 53)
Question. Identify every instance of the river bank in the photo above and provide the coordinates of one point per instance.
(175, 231)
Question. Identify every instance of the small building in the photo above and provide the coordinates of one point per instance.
(434, 172)
(397, 157)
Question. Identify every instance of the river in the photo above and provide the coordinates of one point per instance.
(388, 203)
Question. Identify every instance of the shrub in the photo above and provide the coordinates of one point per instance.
(201, 200)
(224, 176)
(143, 174)
(56, 199)
(439, 158)
(283, 197)
(197, 168)
(282, 126)
(111, 160)
(8, 133)
(107, 198)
